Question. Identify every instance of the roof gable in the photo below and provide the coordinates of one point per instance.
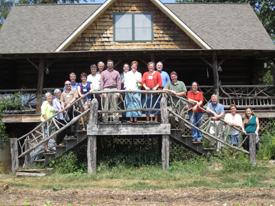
(99, 35)
(108, 3)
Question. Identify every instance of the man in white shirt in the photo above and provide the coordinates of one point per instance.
(95, 78)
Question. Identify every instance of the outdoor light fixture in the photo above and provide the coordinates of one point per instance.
(47, 70)
(220, 69)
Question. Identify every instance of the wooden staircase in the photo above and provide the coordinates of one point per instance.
(186, 141)
(60, 150)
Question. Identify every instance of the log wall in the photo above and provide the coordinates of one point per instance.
(21, 74)
(99, 35)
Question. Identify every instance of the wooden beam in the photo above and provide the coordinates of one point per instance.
(14, 155)
(91, 154)
(27, 156)
(252, 148)
(40, 84)
(131, 129)
(152, 58)
(165, 152)
(215, 73)
(92, 139)
(21, 118)
(207, 62)
(37, 67)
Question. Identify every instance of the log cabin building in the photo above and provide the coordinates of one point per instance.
(213, 44)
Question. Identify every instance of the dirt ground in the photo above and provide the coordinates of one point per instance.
(187, 196)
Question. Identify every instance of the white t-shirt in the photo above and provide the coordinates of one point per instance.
(95, 79)
(237, 119)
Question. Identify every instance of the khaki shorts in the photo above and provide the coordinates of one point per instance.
(85, 103)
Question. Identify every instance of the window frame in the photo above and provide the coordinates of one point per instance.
(133, 26)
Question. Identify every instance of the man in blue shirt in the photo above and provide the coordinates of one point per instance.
(164, 76)
(74, 84)
(217, 111)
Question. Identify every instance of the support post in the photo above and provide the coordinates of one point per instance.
(40, 85)
(28, 155)
(152, 58)
(215, 73)
(91, 154)
(252, 149)
(92, 145)
(14, 155)
(165, 150)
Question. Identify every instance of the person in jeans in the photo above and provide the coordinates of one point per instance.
(217, 111)
(195, 113)
(67, 98)
(177, 88)
(60, 117)
(110, 81)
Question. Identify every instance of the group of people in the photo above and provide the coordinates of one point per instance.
(110, 80)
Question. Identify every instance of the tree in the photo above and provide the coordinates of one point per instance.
(264, 9)
(5, 7)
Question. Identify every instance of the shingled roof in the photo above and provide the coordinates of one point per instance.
(42, 28)
(225, 26)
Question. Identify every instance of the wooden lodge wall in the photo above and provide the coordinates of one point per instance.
(19, 73)
(99, 35)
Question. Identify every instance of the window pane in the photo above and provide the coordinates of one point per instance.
(123, 20)
(143, 20)
(124, 34)
(143, 34)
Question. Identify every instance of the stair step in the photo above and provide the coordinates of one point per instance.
(71, 142)
(35, 170)
(209, 149)
(49, 157)
(60, 149)
(40, 162)
(197, 142)
(30, 174)
(186, 136)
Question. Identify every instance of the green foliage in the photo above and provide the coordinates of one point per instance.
(263, 8)
(238, 163)
(66, 163)
(267, 142)
(13, 102)
(5, 7)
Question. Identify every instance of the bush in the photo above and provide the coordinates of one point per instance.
(267, 142)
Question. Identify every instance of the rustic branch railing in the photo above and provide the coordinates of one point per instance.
(255, 96)
(37, 136)
(28, 100)
(204, 128)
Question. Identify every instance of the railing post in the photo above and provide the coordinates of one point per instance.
(165, 150)
(91, 146)
(14, 155)
(252, 148)
(27, 156)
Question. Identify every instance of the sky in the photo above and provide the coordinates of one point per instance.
(163, 1)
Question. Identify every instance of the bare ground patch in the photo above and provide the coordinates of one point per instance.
(186, 196)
